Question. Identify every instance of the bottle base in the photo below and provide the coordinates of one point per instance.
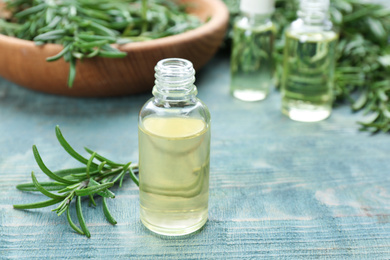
(303, 112)
(180, 231)
(249, 95)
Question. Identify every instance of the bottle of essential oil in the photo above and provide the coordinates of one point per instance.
(174, 152)
(309, 60)
(252, 63)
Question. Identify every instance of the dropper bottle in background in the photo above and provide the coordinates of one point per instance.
(309, 60)
(252, 62)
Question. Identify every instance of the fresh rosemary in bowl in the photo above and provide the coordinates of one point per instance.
(75, 183)
(88, 28)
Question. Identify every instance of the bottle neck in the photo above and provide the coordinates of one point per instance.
(314, 12)
(174, 81)
(256, 19)
(257, 11)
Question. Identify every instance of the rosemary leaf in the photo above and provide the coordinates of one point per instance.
(43, 190)
(75, 228)
(43, 167)
(91, 201)
(69, 149)
(50, 186)
(80, 216)
(101, 166)
(72, 71)
(107, 213)
(121, 180)
(133, 177)
(103, 159)
(125, 168)
(59, 55)
(36, 205)
(89, 164)
(94, 189)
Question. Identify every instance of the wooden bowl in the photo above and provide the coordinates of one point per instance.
(25, 63)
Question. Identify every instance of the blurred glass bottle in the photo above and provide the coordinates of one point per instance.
(309, 61)
(252, 60)
(174, 152)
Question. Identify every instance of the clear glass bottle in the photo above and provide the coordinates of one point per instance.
(252, 63)
(174, 152)
(309, 60)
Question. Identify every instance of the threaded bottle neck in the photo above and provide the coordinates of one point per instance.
(313, 11)
(175, 79)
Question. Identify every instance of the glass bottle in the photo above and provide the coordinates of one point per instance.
(252, 63)
(174, 152)
(309, 61)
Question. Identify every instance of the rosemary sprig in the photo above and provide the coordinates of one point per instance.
(74, 183)
(363, 62)
(87, 28)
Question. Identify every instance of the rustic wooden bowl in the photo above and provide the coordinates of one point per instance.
(25, 63)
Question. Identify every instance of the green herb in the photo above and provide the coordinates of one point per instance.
(363, 60)
(363, 65)
(94, 179)
(87, 28)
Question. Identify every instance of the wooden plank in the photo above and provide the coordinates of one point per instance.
(278, 188)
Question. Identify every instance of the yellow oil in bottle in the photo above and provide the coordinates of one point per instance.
(309, 60)
(174, 156)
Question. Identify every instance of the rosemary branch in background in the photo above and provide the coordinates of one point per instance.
(93, 179)
(363, 61)
(87, 28)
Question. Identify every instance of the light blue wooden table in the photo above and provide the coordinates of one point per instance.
(278, 188)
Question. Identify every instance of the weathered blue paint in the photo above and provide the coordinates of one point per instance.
(279, 188)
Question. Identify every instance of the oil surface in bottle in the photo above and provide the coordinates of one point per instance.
(252, 62)
(174, 156)
(307, 90)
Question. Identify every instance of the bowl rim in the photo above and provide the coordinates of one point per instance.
(219, 15)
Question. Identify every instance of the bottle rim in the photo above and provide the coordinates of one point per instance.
(174, 76)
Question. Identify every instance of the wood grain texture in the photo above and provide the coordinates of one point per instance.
(278, 188)
(25, 63)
